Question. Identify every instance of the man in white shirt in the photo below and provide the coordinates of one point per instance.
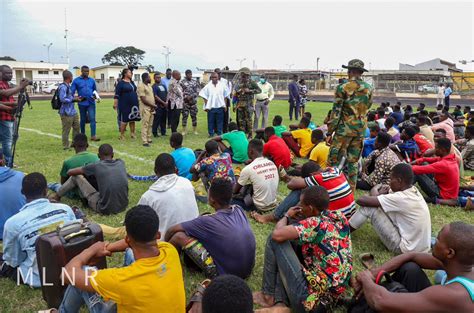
(263, 100)
(171, 196)
(228, 99)
(398, 213)
(440, 95)
(214, 94)
(258, 179)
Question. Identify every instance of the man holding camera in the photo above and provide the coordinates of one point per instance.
(7, 110)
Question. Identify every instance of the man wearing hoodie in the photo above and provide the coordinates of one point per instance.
(11, 197)
(171, 196)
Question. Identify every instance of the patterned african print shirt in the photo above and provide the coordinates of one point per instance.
(175, 94)
(191, 89)
(245, 99)
(217, 166)
(327, 254)
(382, 163)
(349, 113)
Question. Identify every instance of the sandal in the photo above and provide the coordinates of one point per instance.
(367, 260)
(197, 295)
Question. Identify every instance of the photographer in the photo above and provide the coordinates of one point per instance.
(7, 110)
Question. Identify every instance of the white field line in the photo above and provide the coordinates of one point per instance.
(128, 155)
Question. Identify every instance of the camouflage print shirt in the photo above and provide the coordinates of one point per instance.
(245, 99)
(191, 89)
(353, 100)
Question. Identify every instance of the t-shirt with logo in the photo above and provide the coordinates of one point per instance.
(341, 197)
(147, 285)
(262, 174)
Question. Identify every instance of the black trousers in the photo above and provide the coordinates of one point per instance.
(363, 185)
(159, 120)
(429, 187)
(174, 115)
(446, 103)
(412, 276)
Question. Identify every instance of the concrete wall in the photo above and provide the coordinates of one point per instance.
(36, 71)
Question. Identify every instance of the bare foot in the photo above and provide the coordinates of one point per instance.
(262, 299)
(54, 198)
(264, 219)
(277, 308)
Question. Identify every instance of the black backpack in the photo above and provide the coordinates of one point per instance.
(56, 102)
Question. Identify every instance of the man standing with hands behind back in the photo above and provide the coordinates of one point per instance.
(147, 107)
(263, 100)
(85, 87)
(348, 119)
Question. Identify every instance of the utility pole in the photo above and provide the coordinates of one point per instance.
(317, 64)
(167, 56)
(241, 61)
(65, 35)
(48, 46)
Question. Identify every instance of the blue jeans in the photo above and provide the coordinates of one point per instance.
(74, 298)
(463, 196)
(215, 120)
(291, 200)
(84, 111)
(6, 138)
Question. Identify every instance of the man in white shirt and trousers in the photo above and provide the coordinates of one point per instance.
(263, 100)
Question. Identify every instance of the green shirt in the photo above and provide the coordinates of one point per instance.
(279, 129)
(78, 160)
(239, 144)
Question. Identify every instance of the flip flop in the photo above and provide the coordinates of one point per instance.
(197, 295)
(367, 260)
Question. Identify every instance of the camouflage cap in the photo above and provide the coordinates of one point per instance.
(245, 70)
(355, 64)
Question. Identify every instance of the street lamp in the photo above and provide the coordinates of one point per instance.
(241, 61)
(317, 64)
(167, 56)
(48, 46)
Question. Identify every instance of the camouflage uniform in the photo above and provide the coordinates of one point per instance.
(348, 122)
(191, 89)
(244, 105)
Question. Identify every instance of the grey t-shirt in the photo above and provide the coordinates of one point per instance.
(113, 185)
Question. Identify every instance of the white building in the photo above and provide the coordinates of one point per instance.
(36, 71)
(431, 65)
(106, 75)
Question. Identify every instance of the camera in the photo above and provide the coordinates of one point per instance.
(132, 67)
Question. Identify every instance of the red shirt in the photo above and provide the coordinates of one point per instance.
(422, 142)
(6, 116)
(445, 171)
(277, 150)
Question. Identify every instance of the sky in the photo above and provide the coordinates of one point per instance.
(271, 34)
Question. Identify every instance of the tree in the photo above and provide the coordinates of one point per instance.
(7, 58)
(124, 56)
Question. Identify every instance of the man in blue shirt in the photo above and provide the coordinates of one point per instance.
(294, 100)
(166, 80)
(68, 113)
(36, 217)
(11, 198)
(447, 93)
(85, 88)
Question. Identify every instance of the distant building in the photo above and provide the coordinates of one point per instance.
(36, 71)
(431, 65)
(106, 75)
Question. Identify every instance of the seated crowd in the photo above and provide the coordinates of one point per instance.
(408, 160)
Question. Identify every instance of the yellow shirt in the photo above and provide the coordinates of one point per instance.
(147, 285)
(303, 136)
(319, 154)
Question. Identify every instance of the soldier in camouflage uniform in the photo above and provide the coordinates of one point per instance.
(244, 91)
(348, 119)
(191, 90)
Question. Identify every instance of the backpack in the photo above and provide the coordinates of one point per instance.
(55, 101)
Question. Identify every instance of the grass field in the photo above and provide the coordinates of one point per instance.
(39, 150)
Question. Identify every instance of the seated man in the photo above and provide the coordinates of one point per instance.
(407, 148)
(36, 217)
(81, 158)
(398, 213)
(275, 149)
(369, 143)
(11, 198)
(422, 142)
(468, 148)
(381, 118)
(425, 130)
(397, 115)
(391, 130)
(309, 116)
(150, 281)
(277, 125)
(219, 243)
(257, 184)
(441, 133)
(112, 194)
(299, 141)
(439, 180)
(453, 252)
(447, 124)
(323, 237)
(171, 196)
(216, 297)
(320, 151)
(238, 143)
(211, 164)
(341, 197)
(377, 167)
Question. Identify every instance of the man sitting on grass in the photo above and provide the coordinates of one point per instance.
(219, 243)
(257, 184)
(369, 143)
(112, 194)
(36, 217)
(398, 213)
(277, 125)
(150, 281)
(407, 149)
(275, 149)
(453, 253)
(299, 141)
(309, 116)
(211, 164)
(324, 239)
(238, 143)
(391, 130)
(320, 152)
(439, 179)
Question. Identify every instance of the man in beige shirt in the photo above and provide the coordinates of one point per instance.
(425, 130)
(147, 107)
(263, 100)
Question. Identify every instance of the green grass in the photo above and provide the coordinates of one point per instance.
(43, 153)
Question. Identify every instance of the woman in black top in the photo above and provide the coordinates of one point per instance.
(126, 102)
